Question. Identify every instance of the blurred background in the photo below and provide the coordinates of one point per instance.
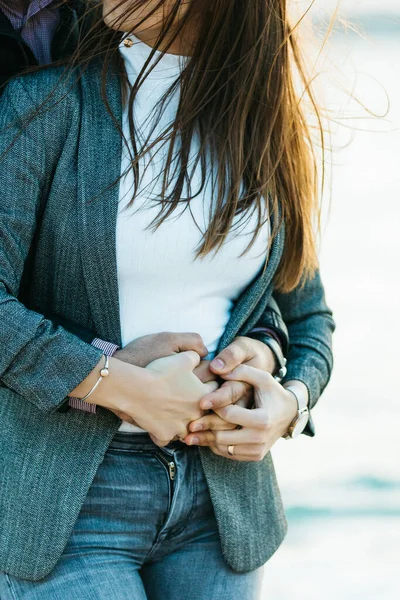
(341, 489)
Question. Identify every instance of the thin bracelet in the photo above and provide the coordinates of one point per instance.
(103, 373)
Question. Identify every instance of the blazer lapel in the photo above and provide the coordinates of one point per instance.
(99, 167)
(249, 299)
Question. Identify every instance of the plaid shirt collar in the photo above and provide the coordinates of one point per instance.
(36, 22)
(23, 10)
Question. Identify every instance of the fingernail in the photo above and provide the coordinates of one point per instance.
(194, 440)
(197, 427)
(207, 405)
(217, 363)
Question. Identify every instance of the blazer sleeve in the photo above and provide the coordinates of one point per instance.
(272, 319)
(39, 360)
(310, 326)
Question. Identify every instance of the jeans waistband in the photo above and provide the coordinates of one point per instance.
(142, 441)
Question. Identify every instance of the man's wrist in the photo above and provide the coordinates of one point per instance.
(273, 333)
(261, 335)
(300, 390)
(299, 393)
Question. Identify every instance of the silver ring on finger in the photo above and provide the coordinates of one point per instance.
(231, 450)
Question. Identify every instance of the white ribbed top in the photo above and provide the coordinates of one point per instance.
(161, 286)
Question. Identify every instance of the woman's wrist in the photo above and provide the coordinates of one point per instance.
(89, 382)
(123, 389)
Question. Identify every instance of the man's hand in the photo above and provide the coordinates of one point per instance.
(242, 351)
(147, 348)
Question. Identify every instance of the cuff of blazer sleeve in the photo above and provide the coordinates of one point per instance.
(45, 373)
(108, 349)
(267, 331)
(276, 325)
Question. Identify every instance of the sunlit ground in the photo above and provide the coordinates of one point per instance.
(342, 488)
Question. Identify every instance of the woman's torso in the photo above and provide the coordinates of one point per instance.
(64, 218)
(162, 287)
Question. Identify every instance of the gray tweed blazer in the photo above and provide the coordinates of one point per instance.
(58, 211)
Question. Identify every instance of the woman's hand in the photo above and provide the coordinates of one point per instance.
(147, 348)
(243, 350)
(260, 427)
(176, 397)
(162, 398)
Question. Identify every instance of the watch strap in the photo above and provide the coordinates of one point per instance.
(302, 408)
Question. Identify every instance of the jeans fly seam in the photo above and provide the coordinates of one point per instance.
(170, 483)
(174, 532)
(11, 587)
(158, 541)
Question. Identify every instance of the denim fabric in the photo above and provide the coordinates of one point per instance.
(141, 534)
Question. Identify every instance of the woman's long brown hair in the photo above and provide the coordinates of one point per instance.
(238, 92)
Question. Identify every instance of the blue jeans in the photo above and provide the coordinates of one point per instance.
(146, 531)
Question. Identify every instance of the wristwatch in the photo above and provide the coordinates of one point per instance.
(300, 421)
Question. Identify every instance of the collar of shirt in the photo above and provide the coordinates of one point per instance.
(23, 10)
(36, 21)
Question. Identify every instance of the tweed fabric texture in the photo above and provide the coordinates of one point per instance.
(57, 217)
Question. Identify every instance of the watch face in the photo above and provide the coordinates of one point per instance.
(300, 425)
